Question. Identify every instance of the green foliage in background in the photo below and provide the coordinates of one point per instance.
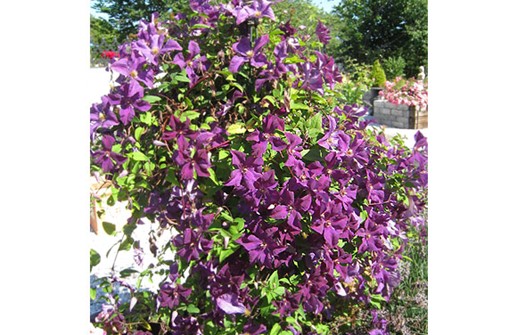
(380, 29)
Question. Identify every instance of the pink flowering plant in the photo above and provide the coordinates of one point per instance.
(289, 215)
(411, 92)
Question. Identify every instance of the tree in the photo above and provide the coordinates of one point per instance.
(124, 15)
(102, 37)
(379, 29)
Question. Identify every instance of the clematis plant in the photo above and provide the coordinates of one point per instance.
(288, 214)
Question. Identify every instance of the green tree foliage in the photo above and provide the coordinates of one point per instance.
(124, 15)
(379, 29)
(102, 37)
(304, 13)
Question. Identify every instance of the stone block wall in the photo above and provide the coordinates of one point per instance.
(399, 116)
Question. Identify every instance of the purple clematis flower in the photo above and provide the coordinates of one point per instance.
(312, 80)
(328, 68)
(102, 116)
(291, 208)
(330, 224)
(192, 63)
(129, 97)
(199, 162)
(178, 130)
(230, 304)
(254, 329)
(323, 33)
(171, 295)
(133, 68)
(246, 54)
(270, 125)
(156, 47)
(247, 170)
(191, 244)
(261, 247)
(259, 9)
(107, 158)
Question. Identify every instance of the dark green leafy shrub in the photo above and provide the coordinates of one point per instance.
(394, 67)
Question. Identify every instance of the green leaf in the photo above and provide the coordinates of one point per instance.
(275, 329)
(151, 98)
(314, 125)
(109, 228)
(201, 26)
(297, 105)
(227, 253)
(236, 128)
(181, 78)
(128, 229)
(279, 291)
(93, 293)
(239, 86)
(138, 156)
(293, 60)
(376, 300)
(213, 176)
(126, 244)
(273, 279)
(322, 328)
(95, 258)
(192, 115)
(192, 309)
(138, 133)
(127, 272)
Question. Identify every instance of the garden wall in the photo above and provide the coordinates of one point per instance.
(399, 116)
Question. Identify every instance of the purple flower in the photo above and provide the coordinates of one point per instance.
(254, 329)
(102, 116)
(129, 97)
(134, 69)
(330, 223)
(178, 129)
(199, 162)
(191, 244)
(323, 33)
(248, 170)
(261, 247)
(171, 295)
(230, 304)
(291, 208)
(312, 80)
(328, 68)
(156, 47)
(191, 63)
(371, 236)
(259, 9)
(107, 158)
(270, 125)
(246, 54)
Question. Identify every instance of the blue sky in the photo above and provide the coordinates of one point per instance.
(326, 4)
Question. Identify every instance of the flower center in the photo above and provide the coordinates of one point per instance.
(249, 53)
(133, 74)
(155, 51)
